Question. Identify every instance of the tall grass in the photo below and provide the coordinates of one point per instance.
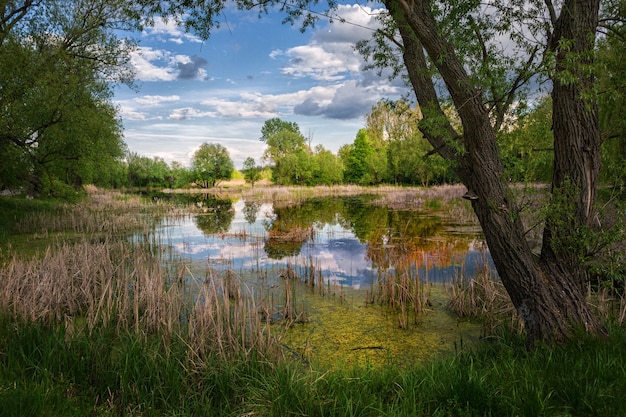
(103, 212)
(119, 285)
(45, 372)
(402, 291)
(100, 327)
(483, 296)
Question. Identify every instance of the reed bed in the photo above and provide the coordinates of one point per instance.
(87, 286)
(400, 288)
(483, 297)
(103, 212)
(285, 196)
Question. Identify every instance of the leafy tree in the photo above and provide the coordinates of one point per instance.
(287, 149)
(453, 52)
(365, 163)
(410, 158)
(57, 60)
(251, 172)
(612, 92)
(527, 147)
(180, 176)
(275, 125)
(148, 172)
(328, 169)
(354, 157)
(211, 163)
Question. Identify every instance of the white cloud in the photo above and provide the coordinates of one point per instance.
(156, 100)
(169, 32)
(161, 65)
(146, 70)
(241, 109)
(187, 113)
(319, 62)
(130, 113)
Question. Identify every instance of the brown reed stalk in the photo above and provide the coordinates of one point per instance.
(483, 297)
(119, 285)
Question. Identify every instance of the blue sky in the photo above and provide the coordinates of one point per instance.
(222, 90)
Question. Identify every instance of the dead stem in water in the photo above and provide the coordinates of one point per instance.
(483, 297)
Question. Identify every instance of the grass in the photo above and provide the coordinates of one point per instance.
(98, 327)
(14, 208)
(43, 371)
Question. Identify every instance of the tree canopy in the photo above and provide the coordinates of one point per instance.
(58, 60)
(211, 163)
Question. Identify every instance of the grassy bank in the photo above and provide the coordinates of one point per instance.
(98, 326)
(46, 372)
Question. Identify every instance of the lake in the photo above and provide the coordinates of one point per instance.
(364, 284)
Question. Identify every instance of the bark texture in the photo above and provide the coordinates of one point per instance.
(544, 290)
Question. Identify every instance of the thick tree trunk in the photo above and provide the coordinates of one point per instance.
(577, 137)
(544, 292)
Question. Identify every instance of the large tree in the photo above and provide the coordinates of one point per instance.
(480, 58)
(287, 150)
(548, 289)
(57, 62)
(211, 163)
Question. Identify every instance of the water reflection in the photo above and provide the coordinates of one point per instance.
(346, 240)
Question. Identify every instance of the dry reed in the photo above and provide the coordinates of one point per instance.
(483, 297)
(103, 212)
(123, 286)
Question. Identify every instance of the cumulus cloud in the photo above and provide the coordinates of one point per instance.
(318, 62)
(308, 107)
(169, 32)
(350, 100)
(353, 23)
(193, 68)
(146, 62)
(160, 65)
(330, 56)
(156, 100)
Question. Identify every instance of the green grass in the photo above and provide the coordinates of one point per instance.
(47, 370)
(14, 208)
(44, 371)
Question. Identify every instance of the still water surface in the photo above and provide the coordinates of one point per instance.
(351, 245)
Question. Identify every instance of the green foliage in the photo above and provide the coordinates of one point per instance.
(14, 208)
(148, 172)
(275, 125)
(294, 162)
(358, 157)
(528, 148)
(328, 169)
(611, 58)
(57, 60)
(251, 172)
(49, 371)
(412, 162)
(211, 163)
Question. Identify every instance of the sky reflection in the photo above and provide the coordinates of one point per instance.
(253, 238)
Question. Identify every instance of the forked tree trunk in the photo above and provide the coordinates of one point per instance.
(544, 291)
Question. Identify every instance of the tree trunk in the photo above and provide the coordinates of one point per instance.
(544, 292)
(577, 137)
